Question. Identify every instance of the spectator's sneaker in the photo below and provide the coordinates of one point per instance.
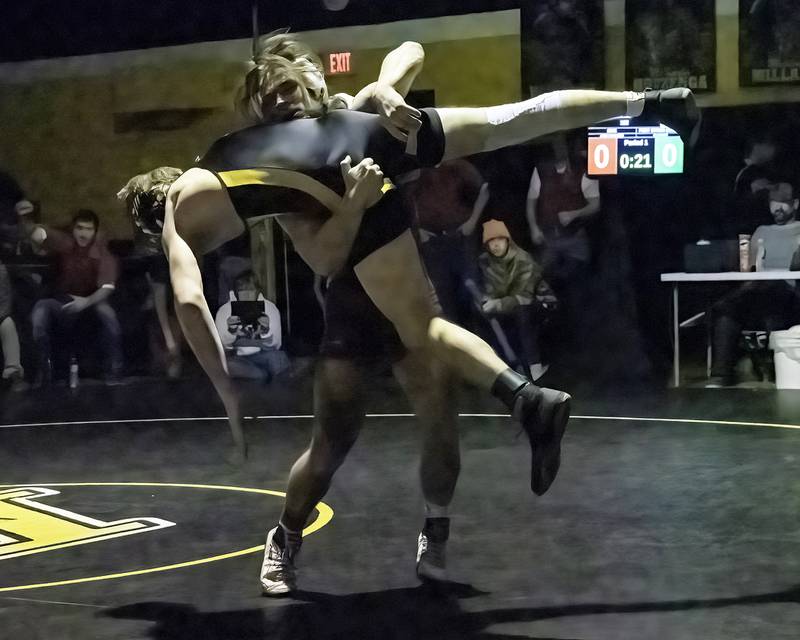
(676, 108)
(278, 574)
(431, 559)
(543, 414)
(720, 382)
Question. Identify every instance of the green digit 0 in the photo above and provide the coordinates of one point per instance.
(669, 155)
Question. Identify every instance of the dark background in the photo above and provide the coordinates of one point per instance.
(54, 28)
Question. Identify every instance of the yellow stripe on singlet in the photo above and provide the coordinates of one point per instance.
(291, 180)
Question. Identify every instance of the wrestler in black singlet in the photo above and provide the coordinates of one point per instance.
(293, 166)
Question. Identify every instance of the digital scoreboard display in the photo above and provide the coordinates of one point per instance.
(626, 148)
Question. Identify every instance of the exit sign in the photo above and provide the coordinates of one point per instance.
(339, 63)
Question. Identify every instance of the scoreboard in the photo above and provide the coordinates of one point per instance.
(625, 148)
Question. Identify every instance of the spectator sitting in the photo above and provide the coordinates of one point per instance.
(87, 273)
(12, 368)
(249, 327)
(511, 278)
(769, 305)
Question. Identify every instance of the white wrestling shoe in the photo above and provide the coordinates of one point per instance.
(431, 559)
(278, 573)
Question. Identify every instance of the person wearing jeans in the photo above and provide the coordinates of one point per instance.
(87, 273)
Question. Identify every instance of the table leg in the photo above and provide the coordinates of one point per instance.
(676, 337)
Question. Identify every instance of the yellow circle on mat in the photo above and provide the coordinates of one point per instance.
(324, 516)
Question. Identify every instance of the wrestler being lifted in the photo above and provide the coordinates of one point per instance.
(289, 164)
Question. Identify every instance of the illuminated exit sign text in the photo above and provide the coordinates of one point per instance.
(339, 63)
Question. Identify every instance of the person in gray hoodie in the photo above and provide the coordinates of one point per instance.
(511, 278)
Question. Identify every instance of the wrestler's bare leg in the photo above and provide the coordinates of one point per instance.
(427, 385)
(395, 280)
(475, 130)
(338, 416)
(199, 218)
(471, 130)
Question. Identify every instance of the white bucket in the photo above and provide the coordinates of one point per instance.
(786, 345)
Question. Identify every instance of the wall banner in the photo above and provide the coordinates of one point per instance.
(562, 44)
(670, 43)
(769, 42)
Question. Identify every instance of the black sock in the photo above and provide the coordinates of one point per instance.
(507, 385)
(437, 529)
(279, 538)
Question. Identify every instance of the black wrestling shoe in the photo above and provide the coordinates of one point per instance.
(676, 108)
(431, 559)
(543, 414)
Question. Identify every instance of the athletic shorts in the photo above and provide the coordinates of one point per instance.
(293, 167)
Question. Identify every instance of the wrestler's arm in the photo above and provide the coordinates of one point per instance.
(475, 130)
(386, 96)
(399, 69)
(194, 315)
(325, 244)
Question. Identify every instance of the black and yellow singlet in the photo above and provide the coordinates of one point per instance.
(293, 167)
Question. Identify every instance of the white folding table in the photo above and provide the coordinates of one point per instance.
(730, 276)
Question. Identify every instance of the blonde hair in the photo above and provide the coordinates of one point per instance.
(280, 59)
(159, 179)
(145, 197)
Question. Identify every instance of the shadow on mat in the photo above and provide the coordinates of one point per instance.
(419, 613)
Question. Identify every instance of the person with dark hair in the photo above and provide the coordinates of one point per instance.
(768, 305)
(86, 277)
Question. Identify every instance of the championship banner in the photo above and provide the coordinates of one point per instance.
(670, 43)
(769, 42)
(562, 45)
